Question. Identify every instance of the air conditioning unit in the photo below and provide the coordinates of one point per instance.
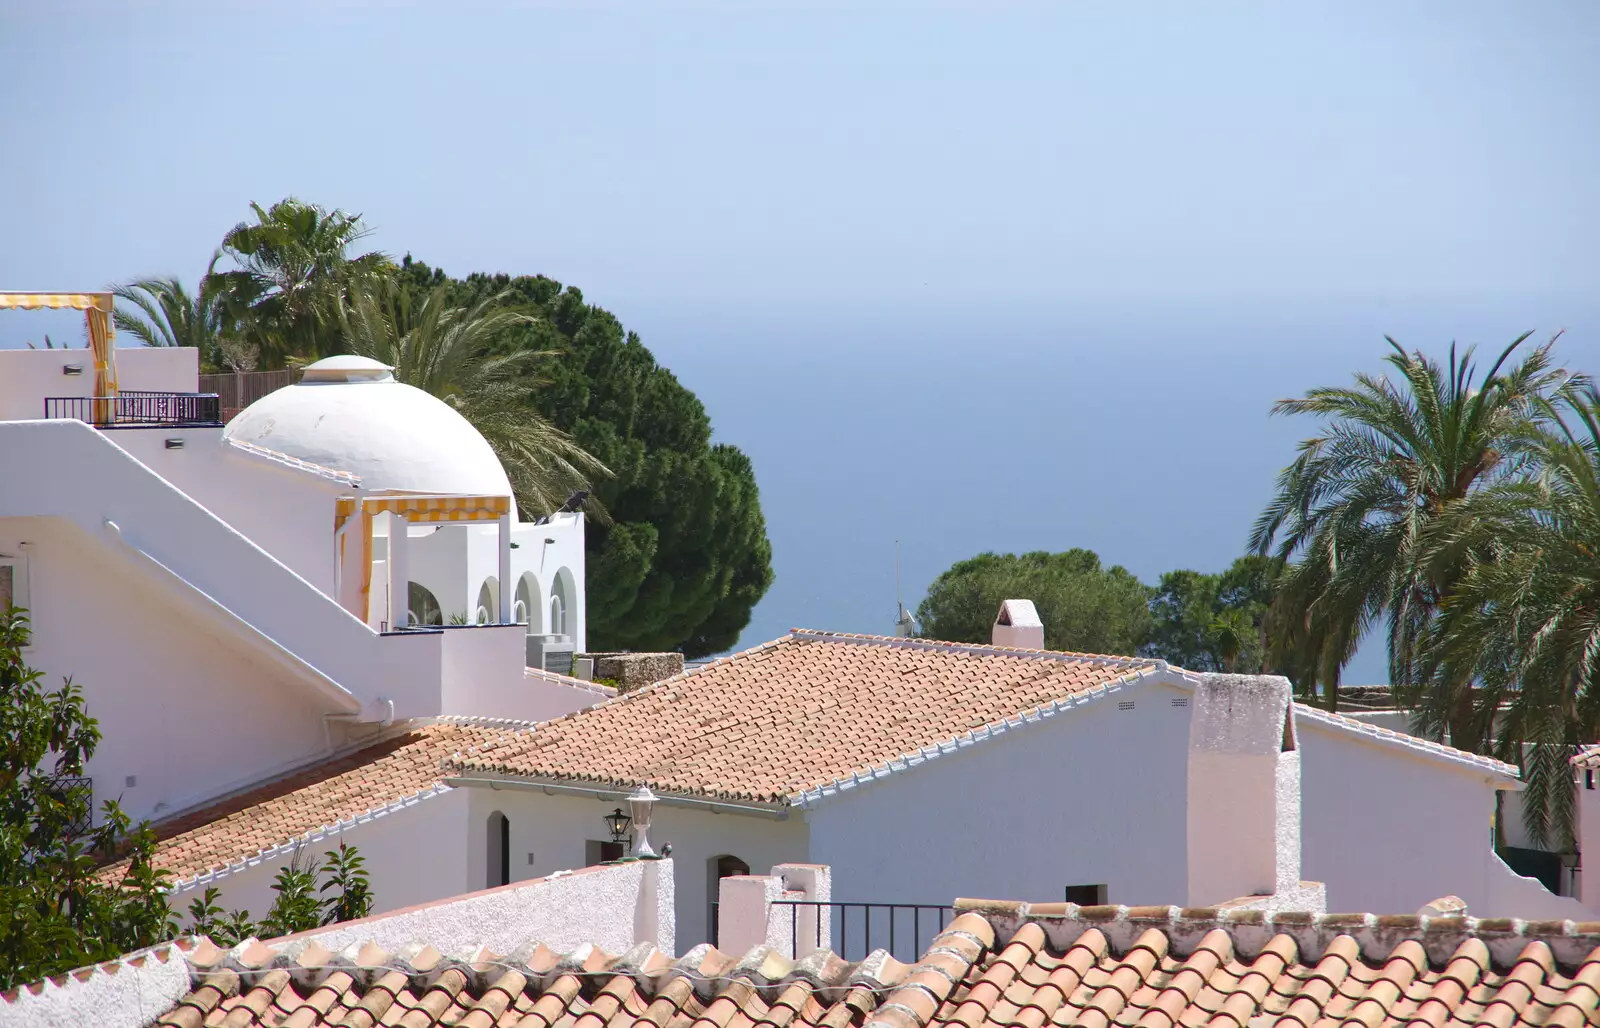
(551, 653)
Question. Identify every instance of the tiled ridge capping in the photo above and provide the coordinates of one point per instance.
(1571, 943)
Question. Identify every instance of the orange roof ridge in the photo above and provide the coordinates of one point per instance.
(1572, 944)
(963, 647)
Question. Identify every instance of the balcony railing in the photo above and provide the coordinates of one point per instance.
(904, 930)
(134, 407)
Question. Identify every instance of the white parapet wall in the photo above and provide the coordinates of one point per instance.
(612, 906)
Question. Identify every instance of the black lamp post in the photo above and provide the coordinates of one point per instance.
(618, 823)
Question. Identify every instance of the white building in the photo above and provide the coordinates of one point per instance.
(227, 597)
(917, 770)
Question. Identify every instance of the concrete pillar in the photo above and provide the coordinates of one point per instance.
(654, 920)
(1243, 790)
(399, 572)
(750, 912)
(507, 586)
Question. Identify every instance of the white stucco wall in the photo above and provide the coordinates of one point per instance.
(182, 709)
(556, 828)
(286, 512)
(1094, 795)
(1388, 830)
(67, 470)
(27, 377)
(414, 854)
(1589, 838)
(613, 907)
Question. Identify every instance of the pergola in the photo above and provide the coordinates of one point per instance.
(407, 509)
(96, 309)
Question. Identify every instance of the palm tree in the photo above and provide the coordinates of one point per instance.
(292, 270)
(1524, 616)
(164, 314)
(1229, 633)
(1352, 510)
(445, 350)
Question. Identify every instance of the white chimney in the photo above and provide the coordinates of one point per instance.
(1244, 794)
(1018, 625)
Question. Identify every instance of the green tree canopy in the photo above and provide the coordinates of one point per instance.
(1352, 511)
(1213, 622)
(1085, 607)
(291, 271)
(683, 557)
(56, 910)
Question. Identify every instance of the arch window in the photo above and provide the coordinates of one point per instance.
(558, 615)
(488, 611)
(527, 607)
(424, 606)
(499, 850)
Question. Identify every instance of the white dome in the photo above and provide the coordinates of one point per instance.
(348, 413)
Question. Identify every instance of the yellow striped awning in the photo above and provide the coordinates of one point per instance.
(423, 509)
(56, 301)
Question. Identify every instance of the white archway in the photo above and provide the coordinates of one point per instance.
(529, 608)
(423, 606)
(563, 599)
(487, 611)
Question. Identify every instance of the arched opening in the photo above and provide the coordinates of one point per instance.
(488, 610)
(499, 850)
(423, 606)
(563, 599)
(528, 609)
(717, 868)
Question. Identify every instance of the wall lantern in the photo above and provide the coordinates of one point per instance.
(618, 823)
(641, 803)
(72, 369)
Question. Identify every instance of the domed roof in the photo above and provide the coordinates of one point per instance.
(348, 413)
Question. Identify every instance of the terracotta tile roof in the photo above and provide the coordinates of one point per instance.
(802, 715)
(214, 837)
(995, 965)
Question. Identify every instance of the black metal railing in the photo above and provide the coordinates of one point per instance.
(138, 407)
(903, 930)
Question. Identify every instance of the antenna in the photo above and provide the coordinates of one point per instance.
(897, 597)
(905, 625)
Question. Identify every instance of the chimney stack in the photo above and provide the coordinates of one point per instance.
(1018, 625)
(1244, 795)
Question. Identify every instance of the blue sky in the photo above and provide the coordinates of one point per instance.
(1010, 276)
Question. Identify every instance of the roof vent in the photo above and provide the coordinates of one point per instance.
(346, 368)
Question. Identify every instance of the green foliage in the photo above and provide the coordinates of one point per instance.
(1214, 622)
(1084, 607)
(56, 911)
(682, 556)
(290, 273)
(1351, 513)
(346, 879)
(164, 314)
(445, 349)
(300, 905)
(1523, 619)
(208, 919)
